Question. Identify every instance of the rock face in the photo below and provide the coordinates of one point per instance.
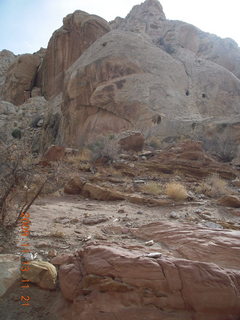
(6, 59)
(149, 20)
(20, 78)
(106, 93)
(156, 288)
(21, 118)
(115, 81)
(78, 32)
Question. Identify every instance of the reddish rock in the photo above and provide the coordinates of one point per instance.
(54, 153)
(195, 243)
(20, 78)
(132, 142)
(96, 192)
(189, 158)
(66, 45)
(229, 201)
(110, 282)
(74, 186)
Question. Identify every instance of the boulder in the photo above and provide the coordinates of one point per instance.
(102, 283)
(66, 45)
(54, 153)
(134, 141)
(74, 186)
(107, 90)
(20, 78)
(42, 273)
(9, 271)
(96, 192)
(229, 201)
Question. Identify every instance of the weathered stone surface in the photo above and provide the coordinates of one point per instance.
(96, 192)
(78, 32)
(189, 158)
(134, 141)
(156, 288)
(20, 78)
(116, 80)
(74, 186)
(195, 242)
(149, 19)
(42, 273)
(21, 117)
(9, 271)
(54, 153)
(230, 201)
(6, 59)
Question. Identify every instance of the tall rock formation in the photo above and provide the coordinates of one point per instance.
(20, 78)
(78, 32)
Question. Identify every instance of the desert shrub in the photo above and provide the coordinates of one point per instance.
(16, 133)
(105, 147)
(153, 188)
(213, 186)
(176, 191)
(154, 142)
(20, 183)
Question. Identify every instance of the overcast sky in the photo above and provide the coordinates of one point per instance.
(27, 25)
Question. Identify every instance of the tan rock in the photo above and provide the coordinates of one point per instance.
(20, 78)
(229, 201)
(74, 186)
(78, 32)
(6, 59)
(115, 82)
(42, 273)
(96, 192)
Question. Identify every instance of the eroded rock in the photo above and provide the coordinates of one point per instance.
(157, 287)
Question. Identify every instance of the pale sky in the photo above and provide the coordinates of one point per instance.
(27, 25)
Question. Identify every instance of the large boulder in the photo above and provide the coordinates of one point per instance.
(20, 78)
(104, 282)
(78, 32)
(114, 87)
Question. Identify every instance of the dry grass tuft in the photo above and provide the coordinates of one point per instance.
(176, 191)
(213, 186)
(152, 188)
(84, 156)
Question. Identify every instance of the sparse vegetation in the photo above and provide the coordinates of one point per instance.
(105, 147)
(20, 183)
(84, 155)
(152, 188)
(213, 186)
(176, 191)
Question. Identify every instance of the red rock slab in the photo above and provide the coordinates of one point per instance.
(193, 242)
(114, 283)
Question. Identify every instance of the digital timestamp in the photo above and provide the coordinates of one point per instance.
(25, 222)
